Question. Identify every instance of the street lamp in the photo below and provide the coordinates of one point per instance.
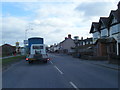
(29, 28)
(25, 41)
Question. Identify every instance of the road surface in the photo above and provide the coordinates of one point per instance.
(61, 72)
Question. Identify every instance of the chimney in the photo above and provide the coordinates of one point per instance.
(81, 38)
(65, 38)
(118, 5)
(69, 35)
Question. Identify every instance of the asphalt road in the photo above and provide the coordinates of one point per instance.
(61, 71)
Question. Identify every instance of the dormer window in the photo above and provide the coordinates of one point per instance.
(94, 30)
(102, 26)
(114, 20)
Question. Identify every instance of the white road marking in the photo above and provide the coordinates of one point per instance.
(58, 69)
(51, 62)
(74, 85)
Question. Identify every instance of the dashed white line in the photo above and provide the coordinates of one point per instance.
(58, 69)
(51, 62)
(74, 85)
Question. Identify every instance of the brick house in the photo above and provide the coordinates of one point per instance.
(7, 49)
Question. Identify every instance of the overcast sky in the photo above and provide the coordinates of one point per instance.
(52, 20)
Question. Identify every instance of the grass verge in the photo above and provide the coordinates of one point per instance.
(8, 61)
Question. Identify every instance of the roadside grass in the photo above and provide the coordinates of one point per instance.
(11, 60)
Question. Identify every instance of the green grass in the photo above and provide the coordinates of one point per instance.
(11, 60)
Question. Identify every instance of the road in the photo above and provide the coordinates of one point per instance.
(61, 71)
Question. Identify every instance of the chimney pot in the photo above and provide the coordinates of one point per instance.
(69, 35)
(81, 38)
(65, 38)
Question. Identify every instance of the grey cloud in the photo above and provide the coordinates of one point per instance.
(94, 8)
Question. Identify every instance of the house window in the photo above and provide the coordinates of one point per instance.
(83, 43)
(114, 29)
(94, 30)
(96, 35)
(114, 20)
(104, 32)
(102, 26)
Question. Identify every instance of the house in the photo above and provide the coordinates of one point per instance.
(54, 48)
(103, 40)
(114, 28)
(82, 47)
(88, 41)
(85, 46)
(101, 44)
(51, 48)
(103, 27)
(7, 49)
(95, 31)
(106, 34)
(67, 44)
(81, 42)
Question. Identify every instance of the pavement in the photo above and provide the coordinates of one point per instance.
(104, 64)
(100, 63)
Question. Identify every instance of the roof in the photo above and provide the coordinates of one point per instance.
(8, 45)
(118, 5)
(85, 40)
(116, 14)
(65, 40)
(104, 20)
(88, 39)
(106, 40)
(94, 25)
